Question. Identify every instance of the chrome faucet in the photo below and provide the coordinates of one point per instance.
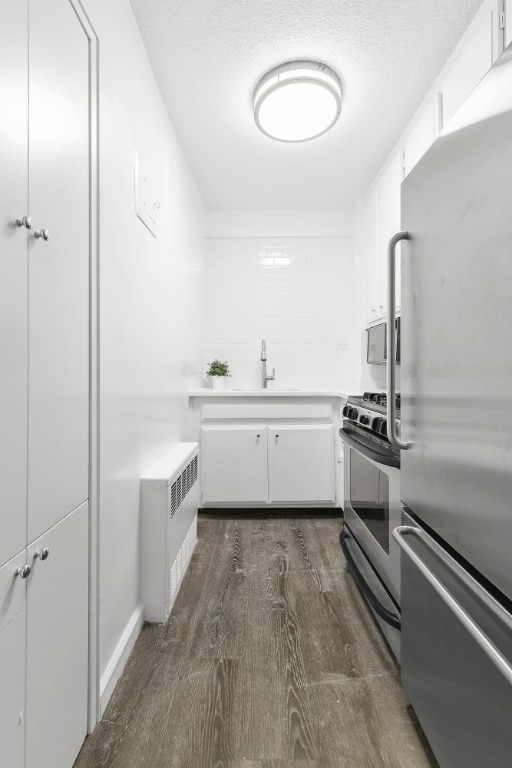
(264, 378)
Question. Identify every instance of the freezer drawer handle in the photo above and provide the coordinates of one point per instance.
(469, 625)
(391, 344)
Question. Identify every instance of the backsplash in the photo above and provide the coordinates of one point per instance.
(301, 294)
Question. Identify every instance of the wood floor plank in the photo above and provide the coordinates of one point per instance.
(269, 660)
(287, 653)
(209, 618)
(367, 722)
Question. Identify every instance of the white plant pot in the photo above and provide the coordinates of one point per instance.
(218, 382)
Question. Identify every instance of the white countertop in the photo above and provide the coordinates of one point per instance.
(208, 392)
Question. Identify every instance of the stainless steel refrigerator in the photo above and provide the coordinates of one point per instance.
(456, 431)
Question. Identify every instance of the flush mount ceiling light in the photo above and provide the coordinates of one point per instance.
(297, 101)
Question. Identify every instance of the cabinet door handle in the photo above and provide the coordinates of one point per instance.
(42, 233)
(25, 221)
(258, 436)
(24, 571)
(277, 436)
(42, 554)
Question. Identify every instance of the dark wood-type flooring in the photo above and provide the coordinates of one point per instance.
(269, 660)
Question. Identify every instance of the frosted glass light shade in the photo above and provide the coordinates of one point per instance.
(297, 101)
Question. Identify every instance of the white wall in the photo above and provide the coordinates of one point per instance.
(150, 296)
(301, 294)
(279, 223)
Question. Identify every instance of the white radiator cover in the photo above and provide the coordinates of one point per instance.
(169, 502)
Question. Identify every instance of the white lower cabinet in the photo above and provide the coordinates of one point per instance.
(44, 648)
(300, 463)
(234, 465)
(253, 464)
(12, 662)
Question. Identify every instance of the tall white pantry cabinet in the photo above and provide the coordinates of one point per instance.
(44, 384)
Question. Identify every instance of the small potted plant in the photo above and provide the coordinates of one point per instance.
(217, 374)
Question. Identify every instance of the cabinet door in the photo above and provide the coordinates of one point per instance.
(368, 244)
(301, 463)
(420, 136)
(57, 644)
(13, 279)
(12, 663)
(388, 224)
(58, 268)
(234, 464)
(472, 61)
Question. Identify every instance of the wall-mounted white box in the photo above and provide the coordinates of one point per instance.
(146, 205)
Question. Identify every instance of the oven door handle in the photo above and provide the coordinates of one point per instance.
(366, 450)
(390, 618)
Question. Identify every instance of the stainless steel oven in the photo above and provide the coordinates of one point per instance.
(372, 510)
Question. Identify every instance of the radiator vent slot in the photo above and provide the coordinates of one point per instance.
(182, 486)
(179, 567)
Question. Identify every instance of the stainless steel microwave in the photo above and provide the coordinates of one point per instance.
(376, 347)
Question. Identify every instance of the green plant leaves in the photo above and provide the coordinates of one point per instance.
(218, 369)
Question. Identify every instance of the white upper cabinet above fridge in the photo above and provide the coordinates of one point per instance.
(470, 61)
(473, 60)
(388, 222)
(380, 219)
(379, 214)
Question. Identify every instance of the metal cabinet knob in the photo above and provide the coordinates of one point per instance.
(42, 233)
(277, 437)
(26, 221)
(24, 571)
(42, 554)
(258, 436)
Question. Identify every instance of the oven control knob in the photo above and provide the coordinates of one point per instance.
(346, 410)
(354, 413)
(383, 429)
(377, 423)
(364, 419)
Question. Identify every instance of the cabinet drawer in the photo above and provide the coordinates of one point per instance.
(264, 411)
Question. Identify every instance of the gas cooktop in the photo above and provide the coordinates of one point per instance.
(375, 401)
(364, 410)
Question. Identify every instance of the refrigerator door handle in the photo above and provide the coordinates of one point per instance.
(473, 629)
(391, 343)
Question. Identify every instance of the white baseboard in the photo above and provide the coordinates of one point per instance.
(119, 658)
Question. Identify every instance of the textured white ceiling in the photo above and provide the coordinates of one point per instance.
(209, 54)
